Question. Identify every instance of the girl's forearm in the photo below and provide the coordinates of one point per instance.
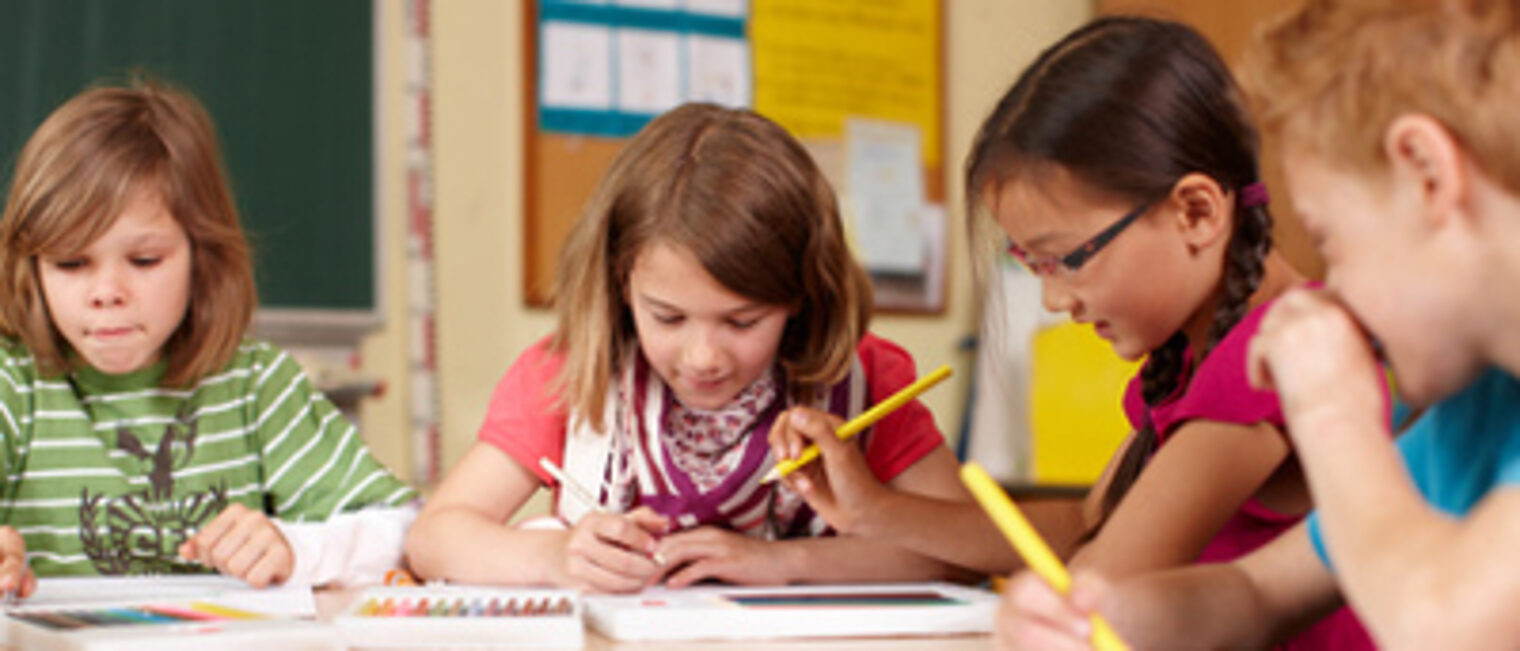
(959, 532)
(460, 545)
(847, 558)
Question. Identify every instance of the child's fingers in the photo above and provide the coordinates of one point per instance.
(780, 437)
(689, 575)
(272, 568)
(13, 571)
(261, 539)
(601, 579)
(199, 546)
(243, 530)
(28, 584)
(649, 520)
(1036, 604)
(1258, 370)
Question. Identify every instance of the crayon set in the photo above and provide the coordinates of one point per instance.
(409, 616)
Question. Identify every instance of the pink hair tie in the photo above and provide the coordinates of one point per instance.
(1254, 194)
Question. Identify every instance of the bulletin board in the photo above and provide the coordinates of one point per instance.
(859, 82)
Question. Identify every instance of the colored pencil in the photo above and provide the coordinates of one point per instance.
(861, 422)
(1037, 555)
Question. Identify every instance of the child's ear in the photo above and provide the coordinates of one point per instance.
(1426, 159)
(1202, 209)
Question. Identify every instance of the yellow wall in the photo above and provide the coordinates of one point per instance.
(477, 119)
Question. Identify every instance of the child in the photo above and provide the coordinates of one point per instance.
(706, 288)
(1123, 172)
(1397, 118)
(139, 432)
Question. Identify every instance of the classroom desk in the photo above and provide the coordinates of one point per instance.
(332, 602)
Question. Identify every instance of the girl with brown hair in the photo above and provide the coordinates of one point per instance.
(706, 288)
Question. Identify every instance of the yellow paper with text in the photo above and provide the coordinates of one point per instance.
(818, 62)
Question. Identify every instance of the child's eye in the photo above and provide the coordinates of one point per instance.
(743, 324)
(145, 261)
(69, 264)
(668, 319)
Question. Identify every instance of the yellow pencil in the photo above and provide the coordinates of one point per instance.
(859, 423)
(1027, 541)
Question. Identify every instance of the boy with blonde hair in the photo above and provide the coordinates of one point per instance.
(1397, 121)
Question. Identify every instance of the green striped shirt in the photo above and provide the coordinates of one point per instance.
(109, 474)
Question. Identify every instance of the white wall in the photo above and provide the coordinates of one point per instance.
(478, 114)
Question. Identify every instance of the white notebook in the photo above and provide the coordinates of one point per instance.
(745, 613)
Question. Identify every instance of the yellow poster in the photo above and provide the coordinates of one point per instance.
(818, 62)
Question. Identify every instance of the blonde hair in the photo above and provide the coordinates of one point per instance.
(1333, 75)
(745, 198)
(76, 174)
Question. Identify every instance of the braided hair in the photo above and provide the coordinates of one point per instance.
(1130, 105)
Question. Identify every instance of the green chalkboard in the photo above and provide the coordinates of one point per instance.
(290, 86)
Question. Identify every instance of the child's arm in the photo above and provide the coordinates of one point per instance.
(1191, 487)
(945, 524)
(316, 468)
(462, 534)
(1254, 602)
(1414, 574)
(16, 576)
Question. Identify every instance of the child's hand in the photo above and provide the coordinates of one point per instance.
(1033, 616)
(1314, 354)
(244, 543)
(839, 486)
(16, 576)
(610, 552)
(712, 553)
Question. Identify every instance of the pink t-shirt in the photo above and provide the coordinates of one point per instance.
(524, 421)
(1220, 391)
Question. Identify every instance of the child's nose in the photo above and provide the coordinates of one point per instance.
(1056, 297)
(702, 352)
(108, 290)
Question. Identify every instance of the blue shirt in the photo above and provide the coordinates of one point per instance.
(1462, 448)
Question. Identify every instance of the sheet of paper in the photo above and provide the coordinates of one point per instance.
(731, 8)
(285, 601)
(649, 70)
(576, 70)
(718, 71)
(886, 194)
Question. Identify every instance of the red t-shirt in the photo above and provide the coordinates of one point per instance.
(524, 421)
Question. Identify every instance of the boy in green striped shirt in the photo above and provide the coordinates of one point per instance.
(140, 433)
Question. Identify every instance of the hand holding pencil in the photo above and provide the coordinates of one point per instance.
(863, 421)
(1036, 554)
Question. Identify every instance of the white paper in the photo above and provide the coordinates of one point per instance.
(217, 589)
(576, 66)
(886, 194)
(731, 8)
(650, 4)
(718, 71)
(649, 70)
(711, 613)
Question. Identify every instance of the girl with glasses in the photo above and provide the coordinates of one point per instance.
(1122, 171)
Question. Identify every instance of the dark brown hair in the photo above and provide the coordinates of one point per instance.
(76, 174)
(745, 198)
(1129, 106)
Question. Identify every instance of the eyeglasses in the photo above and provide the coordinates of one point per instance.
(1066, 265)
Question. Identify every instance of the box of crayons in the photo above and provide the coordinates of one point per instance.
(461, 616)
(189, 625)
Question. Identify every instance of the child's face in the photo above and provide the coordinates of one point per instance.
(1392, 270)
(118, 300)
(1138, 290)
(706, 342)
